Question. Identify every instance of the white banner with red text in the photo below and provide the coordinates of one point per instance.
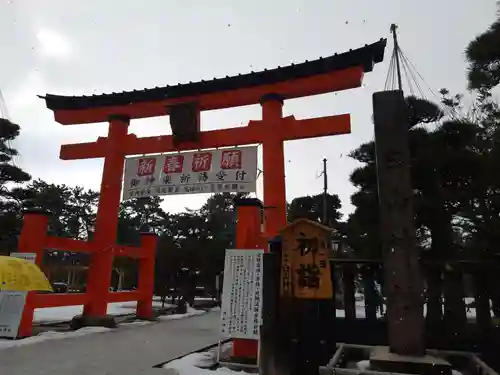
(196, 172)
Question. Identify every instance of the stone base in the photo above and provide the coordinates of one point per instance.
(243, 360)
(181, 307)
(381, 359)
(153, 318)
(238, 364)
(81, 321)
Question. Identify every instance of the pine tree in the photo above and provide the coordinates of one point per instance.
(10, 175)
(483, 55)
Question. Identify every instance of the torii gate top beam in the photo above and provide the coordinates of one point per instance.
(338, 72)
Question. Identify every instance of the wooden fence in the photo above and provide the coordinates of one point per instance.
(462, 311)
(462, 305)
(462, 297)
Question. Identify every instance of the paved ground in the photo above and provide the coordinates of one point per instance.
(130, 350)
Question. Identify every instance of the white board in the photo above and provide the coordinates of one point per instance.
(11, 311)
(205, 171)
(241, 310)
(12, 304)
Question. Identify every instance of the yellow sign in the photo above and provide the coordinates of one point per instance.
(20, 275)
(305, 266)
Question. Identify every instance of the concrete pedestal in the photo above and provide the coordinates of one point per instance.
(81, 321)
(381, 359)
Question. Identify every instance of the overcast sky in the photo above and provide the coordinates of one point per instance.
(94, 46)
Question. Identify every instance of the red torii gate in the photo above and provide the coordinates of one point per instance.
(184, 104)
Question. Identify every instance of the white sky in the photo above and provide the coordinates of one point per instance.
(94, 46)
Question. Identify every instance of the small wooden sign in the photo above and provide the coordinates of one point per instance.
(305, 266)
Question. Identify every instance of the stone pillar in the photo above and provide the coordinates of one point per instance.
(403, 278)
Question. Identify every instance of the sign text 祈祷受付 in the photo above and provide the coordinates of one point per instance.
(206, 171)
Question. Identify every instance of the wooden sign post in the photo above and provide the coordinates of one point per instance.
(305, 272)
(306, 295)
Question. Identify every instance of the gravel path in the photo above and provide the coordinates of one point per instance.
(131, 350)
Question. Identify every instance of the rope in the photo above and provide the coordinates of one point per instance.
(408, 80)
(389, 80)
(411, 80)
(409, 63)
(452, 111)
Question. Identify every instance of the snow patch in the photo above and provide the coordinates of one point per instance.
(66, 313)
(364, 365)
(52, 335)
(196, 364)
(45, 336)
(190, 312)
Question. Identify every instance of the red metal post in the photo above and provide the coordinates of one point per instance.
(146, 276)
(248, 236)
(99, 275)
(32, 240)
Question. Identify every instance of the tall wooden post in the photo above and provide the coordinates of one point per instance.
(403, 278)
(107, 218)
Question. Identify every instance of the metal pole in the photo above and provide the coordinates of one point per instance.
(396, 51)
(325, 194)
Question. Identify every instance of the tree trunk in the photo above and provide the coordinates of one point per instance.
(367, 273)
(348, 273)
(482, 302)
(433, 296)
(443, 249)
(379, 278)
(496, 306)
(494, 293)
(455, 314)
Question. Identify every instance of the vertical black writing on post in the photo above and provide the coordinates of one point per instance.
(308, 273)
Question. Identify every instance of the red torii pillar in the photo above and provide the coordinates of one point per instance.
(274, 164)
(248, 237)
(248, 228)
(34, 227)
(106, 227)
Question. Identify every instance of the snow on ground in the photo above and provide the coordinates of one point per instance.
(364, 365)
(52, 335)
(193, 364)
(66, 313)
(45, 336)
(190, 312)
(360, 308)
